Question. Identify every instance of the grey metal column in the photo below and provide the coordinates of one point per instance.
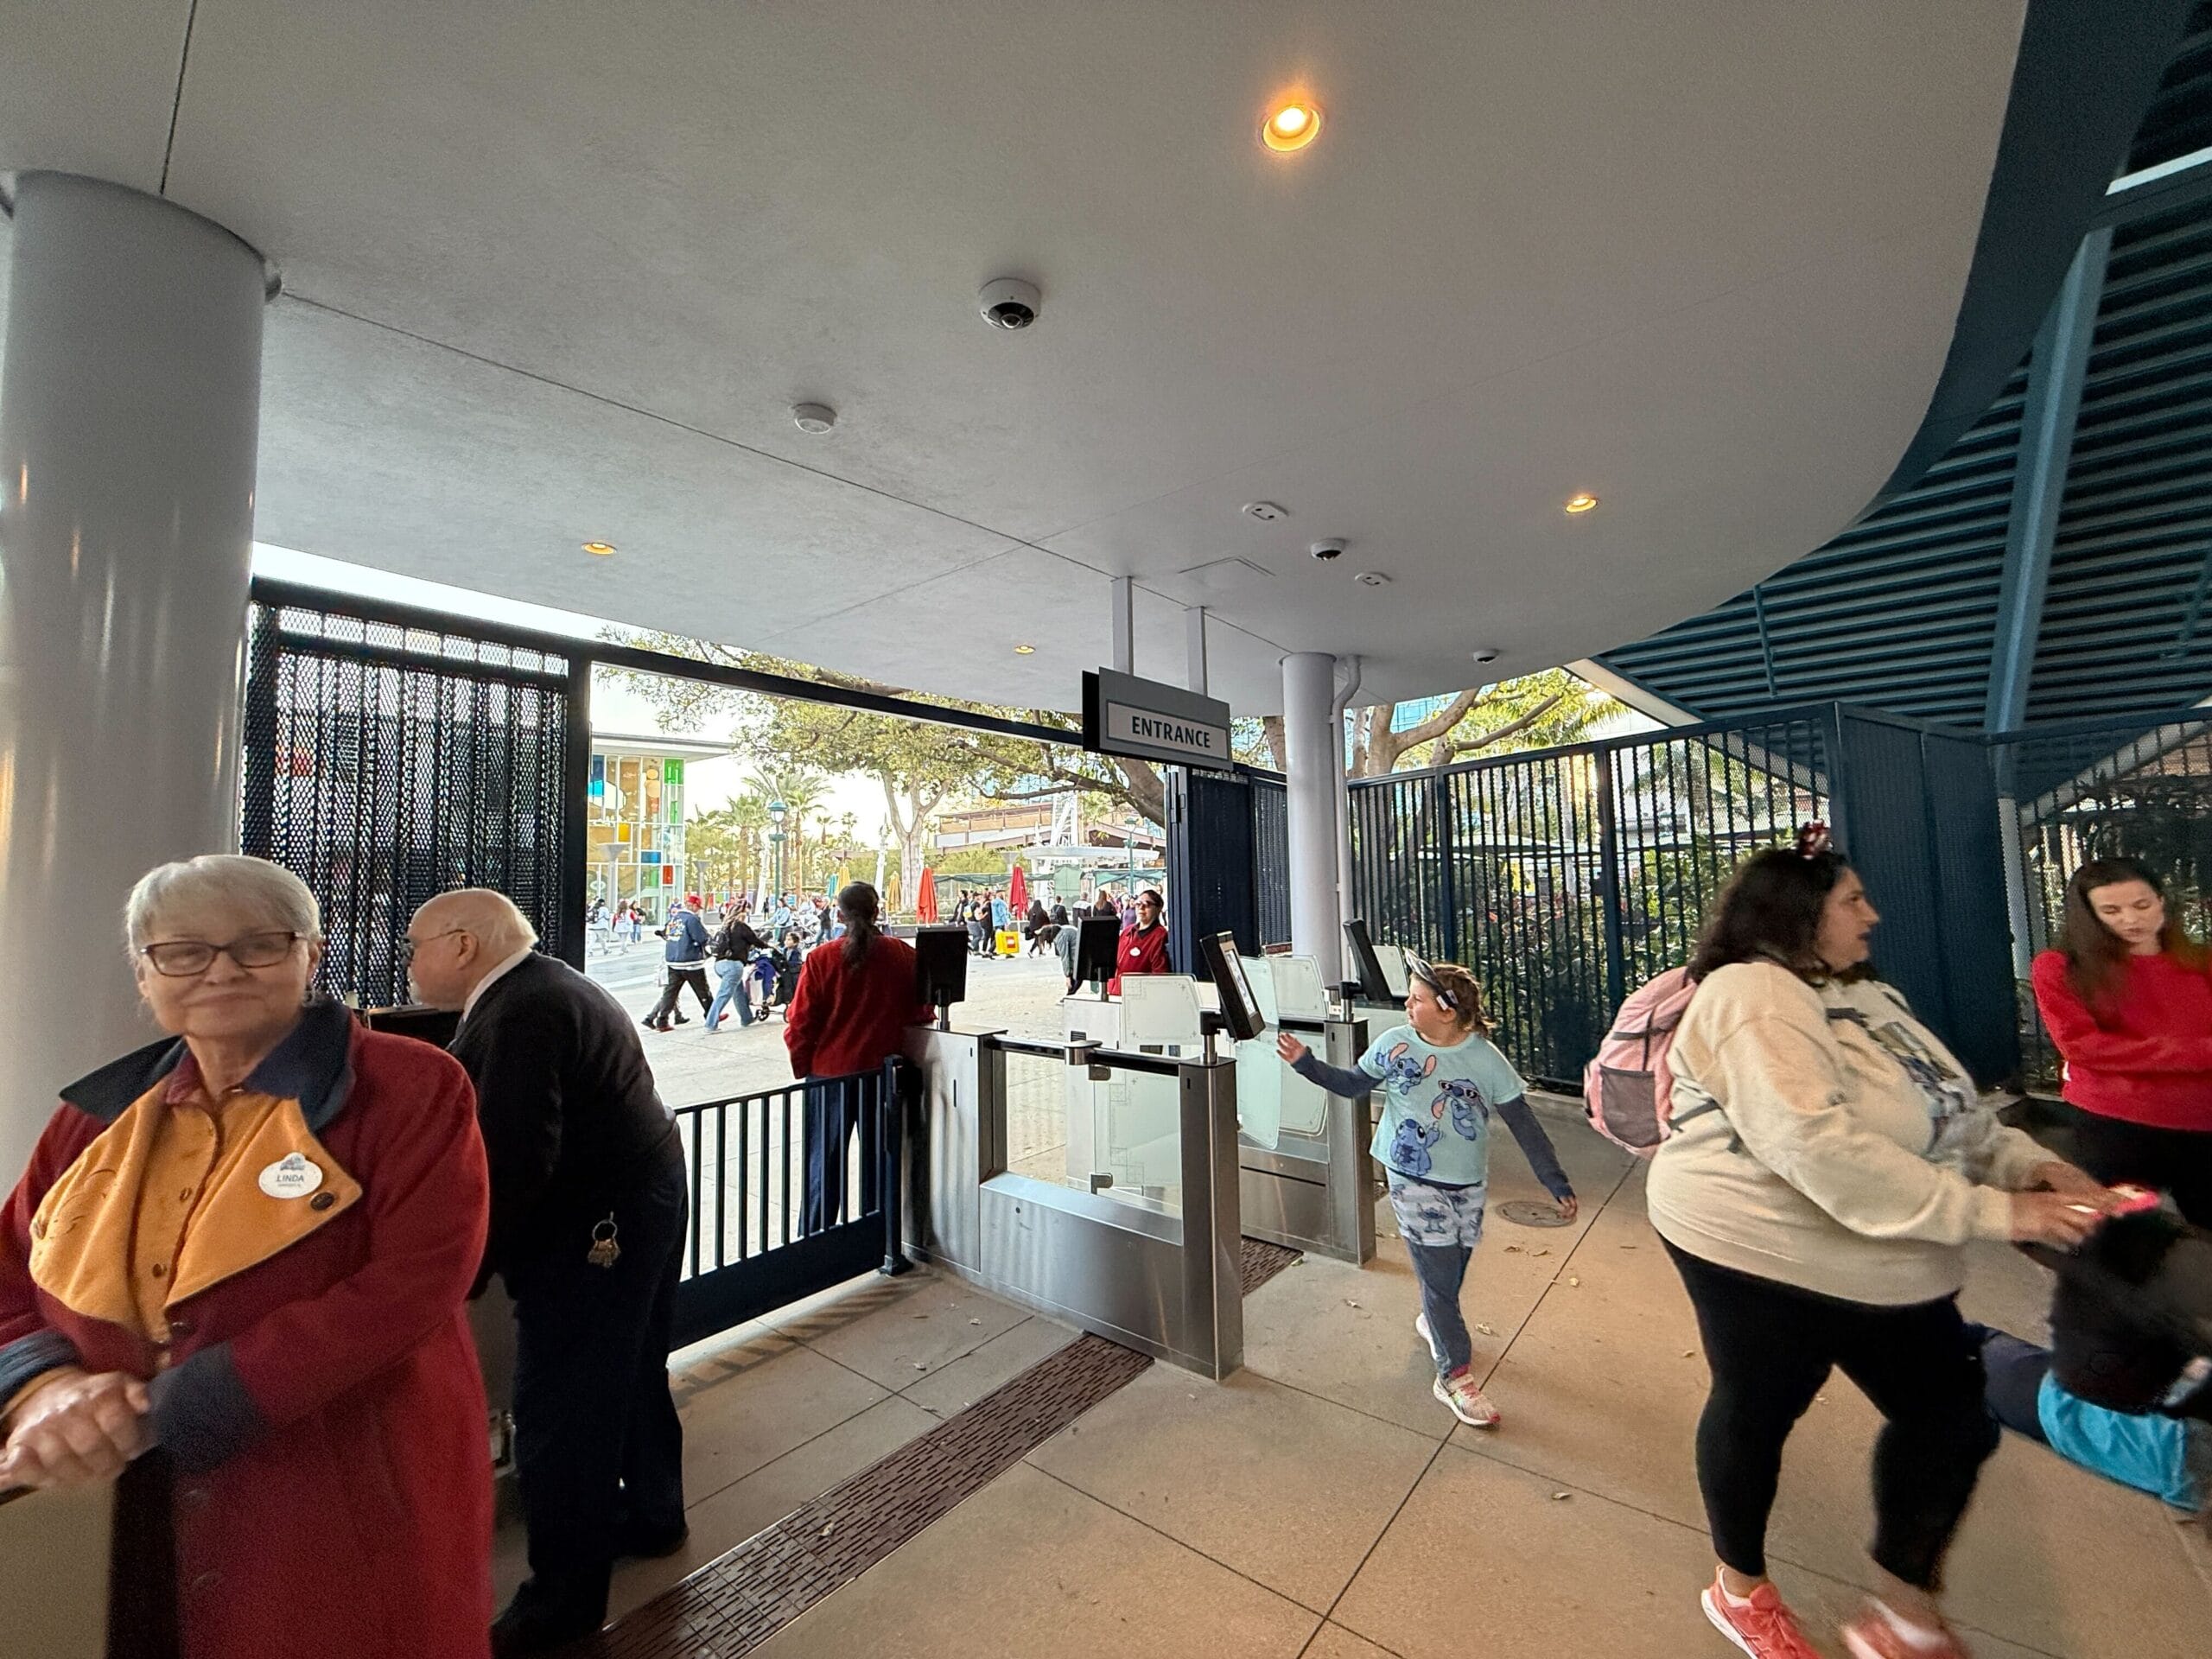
(1352, 1172)
(1315, 756)
(128, 419)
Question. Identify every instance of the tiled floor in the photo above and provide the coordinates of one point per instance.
(778, 1412)
(1322, 1504)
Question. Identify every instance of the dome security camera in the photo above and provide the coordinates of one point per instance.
(1484, 653)
(1009, 303)
(1331, 548)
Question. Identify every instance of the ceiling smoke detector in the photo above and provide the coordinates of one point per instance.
(1008, 302)
(1372, 579)
(815, 418)
(1266, 511)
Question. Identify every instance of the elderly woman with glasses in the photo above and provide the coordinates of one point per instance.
(233, 1280)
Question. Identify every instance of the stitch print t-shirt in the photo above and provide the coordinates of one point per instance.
(1436, 1105)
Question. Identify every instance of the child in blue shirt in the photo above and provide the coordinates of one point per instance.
(1442, 1082)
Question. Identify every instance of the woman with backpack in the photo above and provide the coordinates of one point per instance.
(1442, 1081)
(2127, 1000)
(1829, 1162)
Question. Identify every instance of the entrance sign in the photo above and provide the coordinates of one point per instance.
(1122, 715)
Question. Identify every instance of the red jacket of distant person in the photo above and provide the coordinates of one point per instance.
(1141, 950)
(320, 1402)
(852, 1016)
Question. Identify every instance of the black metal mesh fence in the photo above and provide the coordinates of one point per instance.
(385, 765)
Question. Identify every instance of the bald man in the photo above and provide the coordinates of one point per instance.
(588, 1206)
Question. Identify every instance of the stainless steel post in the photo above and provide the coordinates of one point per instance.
(1213, 1234)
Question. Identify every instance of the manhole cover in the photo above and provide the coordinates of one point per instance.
(1526, 1212)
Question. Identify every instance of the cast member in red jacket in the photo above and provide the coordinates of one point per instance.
(2127, 1000)
(1144, 946)
(856, 996)
(235, 1275)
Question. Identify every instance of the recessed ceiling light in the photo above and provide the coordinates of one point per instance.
(599, 550)
(814, 419)
(1581, 502)
(1025, 650)
(1292, 124)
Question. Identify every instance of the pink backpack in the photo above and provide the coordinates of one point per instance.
(1627, 1090)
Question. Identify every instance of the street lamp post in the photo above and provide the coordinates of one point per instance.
(775, 811)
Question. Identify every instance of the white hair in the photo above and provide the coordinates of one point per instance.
(253, 889)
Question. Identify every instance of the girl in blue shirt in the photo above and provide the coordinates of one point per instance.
(1442, 1082)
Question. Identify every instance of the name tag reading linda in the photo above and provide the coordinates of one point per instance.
(290, 1177)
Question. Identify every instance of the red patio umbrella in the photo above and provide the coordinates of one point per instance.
(1017, 896)
(925, 897)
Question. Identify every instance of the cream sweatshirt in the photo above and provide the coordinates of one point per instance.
(1850, 1154)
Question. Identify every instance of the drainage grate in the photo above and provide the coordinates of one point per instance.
(1262, 1261)
(731, 1606)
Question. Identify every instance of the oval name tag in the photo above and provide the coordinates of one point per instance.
(290, 1177)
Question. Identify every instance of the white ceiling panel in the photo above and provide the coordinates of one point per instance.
(558, 272)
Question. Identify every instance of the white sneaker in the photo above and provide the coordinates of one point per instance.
(1467, 1402)
(1421, 1325)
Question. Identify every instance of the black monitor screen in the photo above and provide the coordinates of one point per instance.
(1374, 983)
(941, 964)
(1239, 1006)
(1096, 943)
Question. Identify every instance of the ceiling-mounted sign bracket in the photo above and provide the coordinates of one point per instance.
(1147, 720)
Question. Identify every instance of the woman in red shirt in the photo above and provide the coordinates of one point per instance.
(855, 1000)
(2127, 1000)
(1143, 949)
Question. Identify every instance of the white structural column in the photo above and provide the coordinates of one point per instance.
(1315, 760)
(129, 408)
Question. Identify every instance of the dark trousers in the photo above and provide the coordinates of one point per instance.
(598, 1449)
(1440, 1270)
(1770, 1347)
(2178, 1161)
(831, 1111)
(2013, 1371)
(695, 975)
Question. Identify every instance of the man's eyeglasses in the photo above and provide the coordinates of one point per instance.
(183, 958)
(410, 944)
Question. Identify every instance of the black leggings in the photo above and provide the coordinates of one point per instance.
(2178, 1161)
(1770, 1347)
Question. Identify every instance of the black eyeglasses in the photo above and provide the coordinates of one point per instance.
(183, 958)
(408, 945)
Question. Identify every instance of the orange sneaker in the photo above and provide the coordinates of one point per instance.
(1874, 1635)
(1763, 1626)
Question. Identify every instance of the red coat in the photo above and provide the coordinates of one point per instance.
(1142, 951)
(2147, 1058)
(844, 1021)
(322, 1407)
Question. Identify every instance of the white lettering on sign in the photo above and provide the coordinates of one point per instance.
(1193, 737)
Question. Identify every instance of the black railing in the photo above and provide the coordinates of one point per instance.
(1568, 877)
(767, 1229)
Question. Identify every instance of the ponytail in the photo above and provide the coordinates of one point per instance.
(859, 907)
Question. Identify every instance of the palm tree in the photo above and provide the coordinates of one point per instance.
(748, 818)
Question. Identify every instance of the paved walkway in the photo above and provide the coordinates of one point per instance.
(1020, 995)
(1321, 1505)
